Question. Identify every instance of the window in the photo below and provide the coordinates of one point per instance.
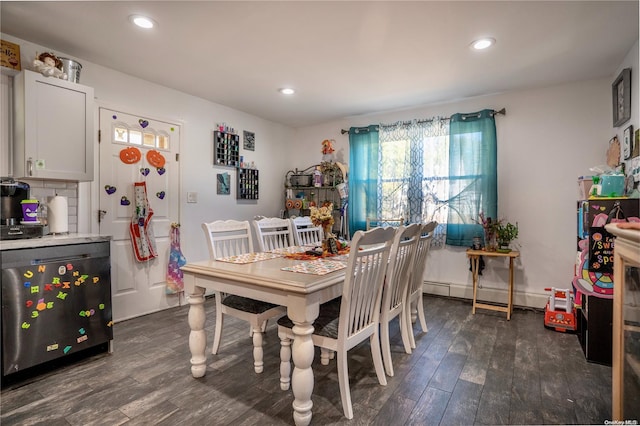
(147, 138)
(438, 169)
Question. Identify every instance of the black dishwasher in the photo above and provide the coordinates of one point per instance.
(56, 301)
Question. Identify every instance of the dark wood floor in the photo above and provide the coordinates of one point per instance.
(468, 369)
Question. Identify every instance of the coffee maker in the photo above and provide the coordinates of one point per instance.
(11, 195)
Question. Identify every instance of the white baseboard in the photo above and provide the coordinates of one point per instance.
(530, 300)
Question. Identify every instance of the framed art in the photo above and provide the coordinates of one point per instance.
(249, 142)
(621, 97)
(627, 143)
(635, 150)
(224, 183)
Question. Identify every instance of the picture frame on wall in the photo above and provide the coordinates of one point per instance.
(635, 150)
(621, 97)
(627, 143)
(249, 140)
(224, 183)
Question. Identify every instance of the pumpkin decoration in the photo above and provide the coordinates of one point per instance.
(130, 155)
(155, 158)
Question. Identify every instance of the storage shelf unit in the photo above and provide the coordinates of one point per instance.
(595, 319)
(226, 149)
(247, 184)
(299, 199)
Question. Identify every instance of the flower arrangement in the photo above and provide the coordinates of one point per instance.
(489, 228)
(323, 216)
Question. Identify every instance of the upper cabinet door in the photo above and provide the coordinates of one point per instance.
(53, 128)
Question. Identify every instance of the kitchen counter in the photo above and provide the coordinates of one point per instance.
(52, 240)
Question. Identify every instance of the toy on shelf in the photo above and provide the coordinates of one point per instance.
(560, 312)
(49, 65)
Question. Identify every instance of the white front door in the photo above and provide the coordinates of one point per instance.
(132, 148)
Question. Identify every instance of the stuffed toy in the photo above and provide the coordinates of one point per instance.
(49, 65)
(327, 146)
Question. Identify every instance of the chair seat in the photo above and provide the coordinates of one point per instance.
(247, 305)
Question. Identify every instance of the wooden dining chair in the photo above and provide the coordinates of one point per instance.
(231, 238)
(396, 286)
(355, 318)
(381, 222)
(305, 233)
(273, 233)
(414, 306)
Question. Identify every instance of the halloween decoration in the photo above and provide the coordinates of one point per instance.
(130, 155)
(155, 158)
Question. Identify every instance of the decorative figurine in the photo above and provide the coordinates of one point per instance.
(49, 65)
(327, 146)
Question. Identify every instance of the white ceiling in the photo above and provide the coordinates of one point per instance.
(344, 58)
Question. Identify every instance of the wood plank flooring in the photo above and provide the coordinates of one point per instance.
(468, 369)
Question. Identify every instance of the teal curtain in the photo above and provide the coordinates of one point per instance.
(473, 177)
(363, 176)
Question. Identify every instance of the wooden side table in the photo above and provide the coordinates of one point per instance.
(474, 256)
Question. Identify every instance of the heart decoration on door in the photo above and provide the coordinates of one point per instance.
(143, 123)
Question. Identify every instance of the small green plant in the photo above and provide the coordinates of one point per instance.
(505, 233)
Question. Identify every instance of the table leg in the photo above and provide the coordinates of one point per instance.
(510, 307)
(197, 336)
(475, 263)
(302, 352)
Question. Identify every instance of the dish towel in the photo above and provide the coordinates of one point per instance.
(142, 237)
(175, 281)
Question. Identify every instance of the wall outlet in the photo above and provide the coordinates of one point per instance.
(192, 197)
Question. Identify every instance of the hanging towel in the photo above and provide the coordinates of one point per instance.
(142, 237)
(175, 282)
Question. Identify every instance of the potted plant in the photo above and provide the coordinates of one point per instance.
(505, 233)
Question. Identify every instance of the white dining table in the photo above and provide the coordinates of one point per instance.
(301, 293)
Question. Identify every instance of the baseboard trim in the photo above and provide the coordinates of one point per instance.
(530, 300)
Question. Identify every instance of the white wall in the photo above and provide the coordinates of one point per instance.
(548, 138)
(198, 117)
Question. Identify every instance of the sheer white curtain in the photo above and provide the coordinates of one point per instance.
(414, 172)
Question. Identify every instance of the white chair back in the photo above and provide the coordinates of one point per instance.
(362, 290)
(422, 251)
(228, 238)
(394, 293)
(414, 305)
(273, 233)
(305, 232)
(400, 265)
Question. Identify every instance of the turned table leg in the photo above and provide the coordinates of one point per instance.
(197, 336)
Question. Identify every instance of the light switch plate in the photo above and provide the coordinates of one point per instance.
(192, 197)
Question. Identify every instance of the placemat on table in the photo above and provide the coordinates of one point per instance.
(249, 257)
(290, 250)
(316, 267)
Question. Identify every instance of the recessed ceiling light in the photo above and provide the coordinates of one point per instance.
(287, 91)
(142, 21)
(483, 43)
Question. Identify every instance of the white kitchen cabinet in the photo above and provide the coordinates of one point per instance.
(53, 128)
